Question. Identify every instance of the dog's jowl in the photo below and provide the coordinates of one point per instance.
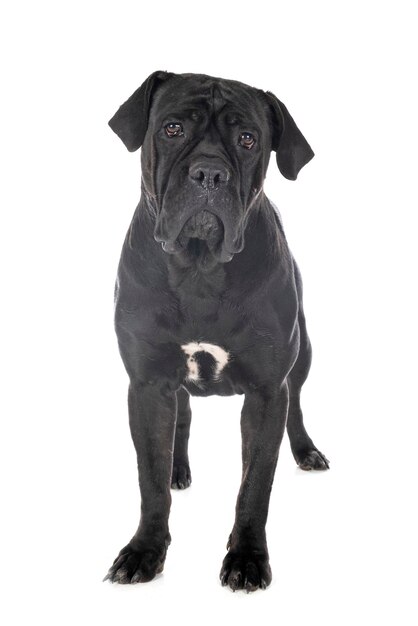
(209, 301)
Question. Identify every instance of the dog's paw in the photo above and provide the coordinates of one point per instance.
(312, 459)
(136, 566)
(246, 569)
(181, 477)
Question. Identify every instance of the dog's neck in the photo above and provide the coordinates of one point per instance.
(248, 269)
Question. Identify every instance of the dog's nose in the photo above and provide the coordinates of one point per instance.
(209, 175)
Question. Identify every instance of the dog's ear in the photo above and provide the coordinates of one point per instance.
(131, 119)
(292, 149)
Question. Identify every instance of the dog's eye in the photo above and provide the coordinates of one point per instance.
(246, 140)
(174, 129)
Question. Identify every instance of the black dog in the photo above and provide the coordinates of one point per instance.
(209, 301)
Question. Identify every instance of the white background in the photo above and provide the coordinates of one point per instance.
(343, 543)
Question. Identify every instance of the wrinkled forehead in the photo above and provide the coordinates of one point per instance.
(187, 92)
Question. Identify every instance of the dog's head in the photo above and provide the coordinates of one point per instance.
(206, 144)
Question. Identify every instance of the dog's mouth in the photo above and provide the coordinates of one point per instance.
(205, 226)
(201, 240)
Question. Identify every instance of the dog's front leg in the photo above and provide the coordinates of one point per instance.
(263, 420)
(152, 419)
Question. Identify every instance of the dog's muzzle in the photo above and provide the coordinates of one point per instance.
(206, 220)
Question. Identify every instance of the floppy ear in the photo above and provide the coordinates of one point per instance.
(131, 119)
(292, 149)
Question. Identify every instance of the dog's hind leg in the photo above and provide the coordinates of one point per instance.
(181, 476)
(307, 456)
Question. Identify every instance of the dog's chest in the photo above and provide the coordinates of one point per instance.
(222, 348)
(205, 361)
(209, 339)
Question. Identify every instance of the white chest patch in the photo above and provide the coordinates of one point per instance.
(220, 355)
